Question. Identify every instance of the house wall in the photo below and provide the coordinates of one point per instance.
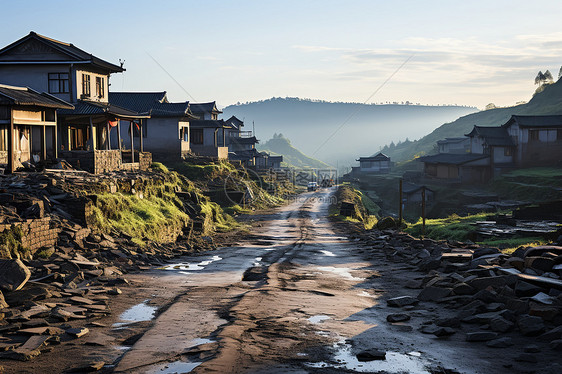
(499, 156)
(374, 166)
(35, 77)
(162, 136)
(476, 145)
(455, 147)
(546, 151)
(92, 97)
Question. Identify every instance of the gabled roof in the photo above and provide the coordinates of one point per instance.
(208, 123)
(377, 157)
(453, 140)
(88, 108)
(202, 108)
(452, 158)
(250, 140)
(535, 121)
(46, 50)
(244, 155)
(154, 103)
(235, 122)
(493, 136)
(27, 97)
(141, 102)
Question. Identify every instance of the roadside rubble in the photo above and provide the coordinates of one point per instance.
(493, 297)
(58, 295)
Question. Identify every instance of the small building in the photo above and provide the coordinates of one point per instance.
(265, 160)
(208, 133)
(454, 145)
(166, 133)
(412, 193)
(494, 142)
(28, 121)
(457, 167)
(379, 163)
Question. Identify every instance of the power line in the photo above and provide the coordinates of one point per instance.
(170, 75)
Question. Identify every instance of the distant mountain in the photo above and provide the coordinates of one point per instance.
(341, 132)
(279, 145)
(549, 101)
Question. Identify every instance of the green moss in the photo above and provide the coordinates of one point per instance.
(450, 228)
(44, 253)
(11, 244)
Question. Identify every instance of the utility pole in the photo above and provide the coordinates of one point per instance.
(400, 204)
(423, 210)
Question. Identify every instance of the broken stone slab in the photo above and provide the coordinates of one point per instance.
(543, 298)
(539, 263)
(401, 301)
(556, 345)
(371, 355)
(78, 332)
(542, 281)
(89, 368)
(500, 324)
(485, 282)
(463, 289)
(81, 300)
(398, 317)
(530, 325)
(433, 293)
(481, 336)
(526, 357)
(31, 292)
(44, 330)
(553, 334)
(500, 342)
(3, 303)
(64, 315)
(13, 274)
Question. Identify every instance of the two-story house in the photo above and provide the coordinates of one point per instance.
(376, 164)
(454, 145)
(80, 78)
(208, 133)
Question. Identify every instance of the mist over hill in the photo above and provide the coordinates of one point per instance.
(339, 133)
(549, 101)
(292, 157)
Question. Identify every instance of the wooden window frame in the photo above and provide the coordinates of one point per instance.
(86, 85)
(534, 135)
(100, 87)
(57, 77)
(196, 136)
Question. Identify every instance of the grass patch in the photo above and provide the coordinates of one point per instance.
(509, 245)
(364, 206)
(450, 228)
(10, 244)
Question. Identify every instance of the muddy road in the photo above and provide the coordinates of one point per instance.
(294, 297)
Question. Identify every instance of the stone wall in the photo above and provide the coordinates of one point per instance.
(37, 233)
(79, 159)
(107, 160)
(145, 160)
(3, 157)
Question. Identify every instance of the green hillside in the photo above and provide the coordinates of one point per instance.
(549, 101)
(292, 157)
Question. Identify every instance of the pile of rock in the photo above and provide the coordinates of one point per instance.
(492, 293)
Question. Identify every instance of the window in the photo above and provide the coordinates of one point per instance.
(507, 151)
(58, 83)
(100, 86)
(533, 135)
(196, 136)
(86, 85)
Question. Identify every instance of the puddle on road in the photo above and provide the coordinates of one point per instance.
(318, 318)
(188, 266)
(173, 367)
(343, 272)
(201, 341)
(394, 363)
(257, 261)
(328, 253)
(137, 313)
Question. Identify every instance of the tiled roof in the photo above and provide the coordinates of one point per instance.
(235, 122)
(28, 97)
(250, 140)
(141, 102)
(494, 136)
(88, 108)
(377, 157)
(535, 121)
(452, 158)
(201, 123)
(202, 108)
(452, 140)
(74, 53)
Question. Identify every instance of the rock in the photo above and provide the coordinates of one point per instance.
(547, 313)
(433, 293)
(530, 325)
(481, 336)
(444, 331)
(78, 332)
(523, 289)
(500, 343)
(526, 357)
(539, 263)
(517, 306)
(401, 301)
(479, 252)
(114, 291)
(554, 334)
(463, 289)
(3, 303)
(500, 324)
(386, 223)
(398, 317)
(13, 274)
(45, 330)
(448, 322)
(486, 296)
(516, 262)
(91, 367)
(531, 348)
(543, 298)
(485, 282)
(556, 345)
(371, 355)
(31, 292)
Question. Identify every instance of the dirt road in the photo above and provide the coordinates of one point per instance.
(294, 298)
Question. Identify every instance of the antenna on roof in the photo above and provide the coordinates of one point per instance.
(253, 128)
(121, 62)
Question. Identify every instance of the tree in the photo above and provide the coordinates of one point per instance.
(560, 73)
(539, 78)
(491, 106)
(548, 76)
(543, 78)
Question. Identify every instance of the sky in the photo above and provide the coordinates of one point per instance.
(432, 52)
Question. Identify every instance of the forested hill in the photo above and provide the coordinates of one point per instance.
(549, 101)
(341, 132)
(279, 145)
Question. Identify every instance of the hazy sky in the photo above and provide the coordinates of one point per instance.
(464, 52)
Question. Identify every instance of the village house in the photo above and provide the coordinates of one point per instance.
(454, 145)
(166, 133)
(266, 161)
(376, 164)
(208, 133)
(523, 141)
(28, 121)
(241, 144)
(63, 70)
